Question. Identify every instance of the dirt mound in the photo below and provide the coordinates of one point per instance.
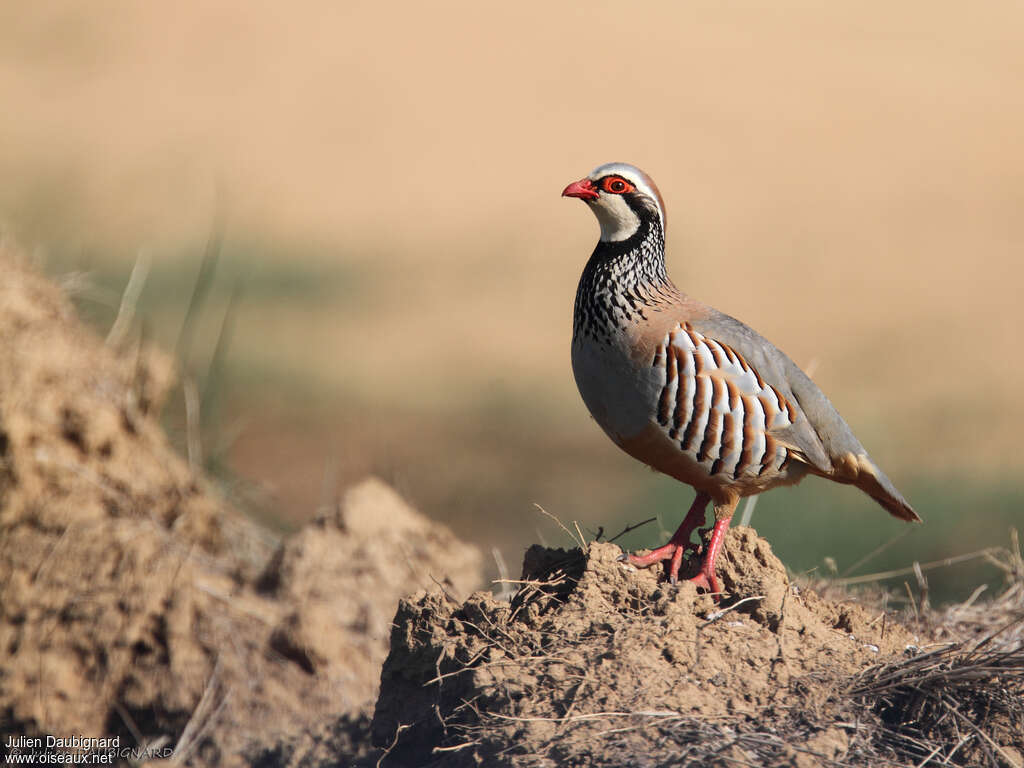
(78, 437)
(339, 580)
(596, 663)
(133, 602)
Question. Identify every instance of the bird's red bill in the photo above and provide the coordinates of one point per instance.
(584, 189)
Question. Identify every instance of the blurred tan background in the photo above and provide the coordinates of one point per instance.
(848, 178)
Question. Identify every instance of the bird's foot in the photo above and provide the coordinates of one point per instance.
(671, 555)
(671, 551)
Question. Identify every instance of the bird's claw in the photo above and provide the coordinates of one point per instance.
(672, 555)
(708, 583)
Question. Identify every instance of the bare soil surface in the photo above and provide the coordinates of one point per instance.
(595, 663)
(598, 663)
(135, 603)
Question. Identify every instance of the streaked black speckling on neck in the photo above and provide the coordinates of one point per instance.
(622, 280)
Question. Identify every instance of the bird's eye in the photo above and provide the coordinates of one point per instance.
(617, 185)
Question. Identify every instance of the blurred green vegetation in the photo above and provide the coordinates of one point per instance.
(269, 276)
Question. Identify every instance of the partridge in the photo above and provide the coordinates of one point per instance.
(690, 391)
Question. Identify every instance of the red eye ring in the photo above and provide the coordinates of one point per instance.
(616, 185)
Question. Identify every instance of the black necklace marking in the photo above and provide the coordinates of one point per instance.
(622, 280)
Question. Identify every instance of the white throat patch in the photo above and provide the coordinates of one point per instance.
(617, 219)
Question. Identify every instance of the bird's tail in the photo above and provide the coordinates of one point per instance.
(872, 480)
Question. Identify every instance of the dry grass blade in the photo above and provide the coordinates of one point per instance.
(748, 510)
(629, 528)
(503, 579)
(129, 300)
(589, 716)
(997, 618)
(193, 441)
(927, 701)
(876, 552)
(201, 289)
(981, 553)
(576, 537)
(214, 698)
(387, 750)
(212, 393)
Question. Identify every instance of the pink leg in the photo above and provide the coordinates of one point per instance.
(706, 577)
(679, 543)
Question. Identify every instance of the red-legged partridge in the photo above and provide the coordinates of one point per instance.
(690, 391)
